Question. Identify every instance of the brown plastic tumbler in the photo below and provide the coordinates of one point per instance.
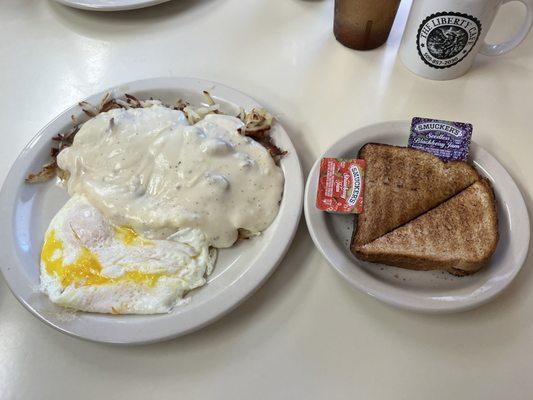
(364, 24)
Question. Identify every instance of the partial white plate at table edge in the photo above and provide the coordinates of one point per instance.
(422, 291)
(115, 5)
(249, 263)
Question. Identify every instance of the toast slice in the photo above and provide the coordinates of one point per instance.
(459, 236)
(402, 183)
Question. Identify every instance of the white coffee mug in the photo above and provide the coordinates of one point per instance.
(443, 37)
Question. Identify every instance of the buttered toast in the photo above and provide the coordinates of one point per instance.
(402, 183)
(422, 213)
(460, 235)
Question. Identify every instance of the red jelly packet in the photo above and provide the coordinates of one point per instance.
(341, 186)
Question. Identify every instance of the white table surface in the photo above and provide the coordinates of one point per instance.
(305, 334)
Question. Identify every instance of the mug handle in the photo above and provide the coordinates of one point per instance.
(505, 47)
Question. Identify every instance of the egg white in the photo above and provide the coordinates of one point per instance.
(133, 275)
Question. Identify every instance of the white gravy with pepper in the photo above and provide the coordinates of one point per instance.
(149, 169)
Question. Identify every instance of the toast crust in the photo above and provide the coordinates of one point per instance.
(401, 184)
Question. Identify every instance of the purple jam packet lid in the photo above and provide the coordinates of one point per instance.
(446, 139)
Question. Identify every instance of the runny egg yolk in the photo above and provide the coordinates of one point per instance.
(86, 269)
(129, 236)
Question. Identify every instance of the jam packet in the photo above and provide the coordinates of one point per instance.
(341, 186)
(446, 139)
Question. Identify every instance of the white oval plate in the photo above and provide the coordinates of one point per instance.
(110, 5)
(425, 291)
(26, 211)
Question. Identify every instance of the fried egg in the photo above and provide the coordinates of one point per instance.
(89, 264)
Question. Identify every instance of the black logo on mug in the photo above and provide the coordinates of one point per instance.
(445, 39)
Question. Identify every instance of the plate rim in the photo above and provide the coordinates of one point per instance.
(248, 283)
(434, 307)
(103, 7)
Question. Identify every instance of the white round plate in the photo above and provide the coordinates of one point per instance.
(26, 211)
(110, 5)
(425, 291)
